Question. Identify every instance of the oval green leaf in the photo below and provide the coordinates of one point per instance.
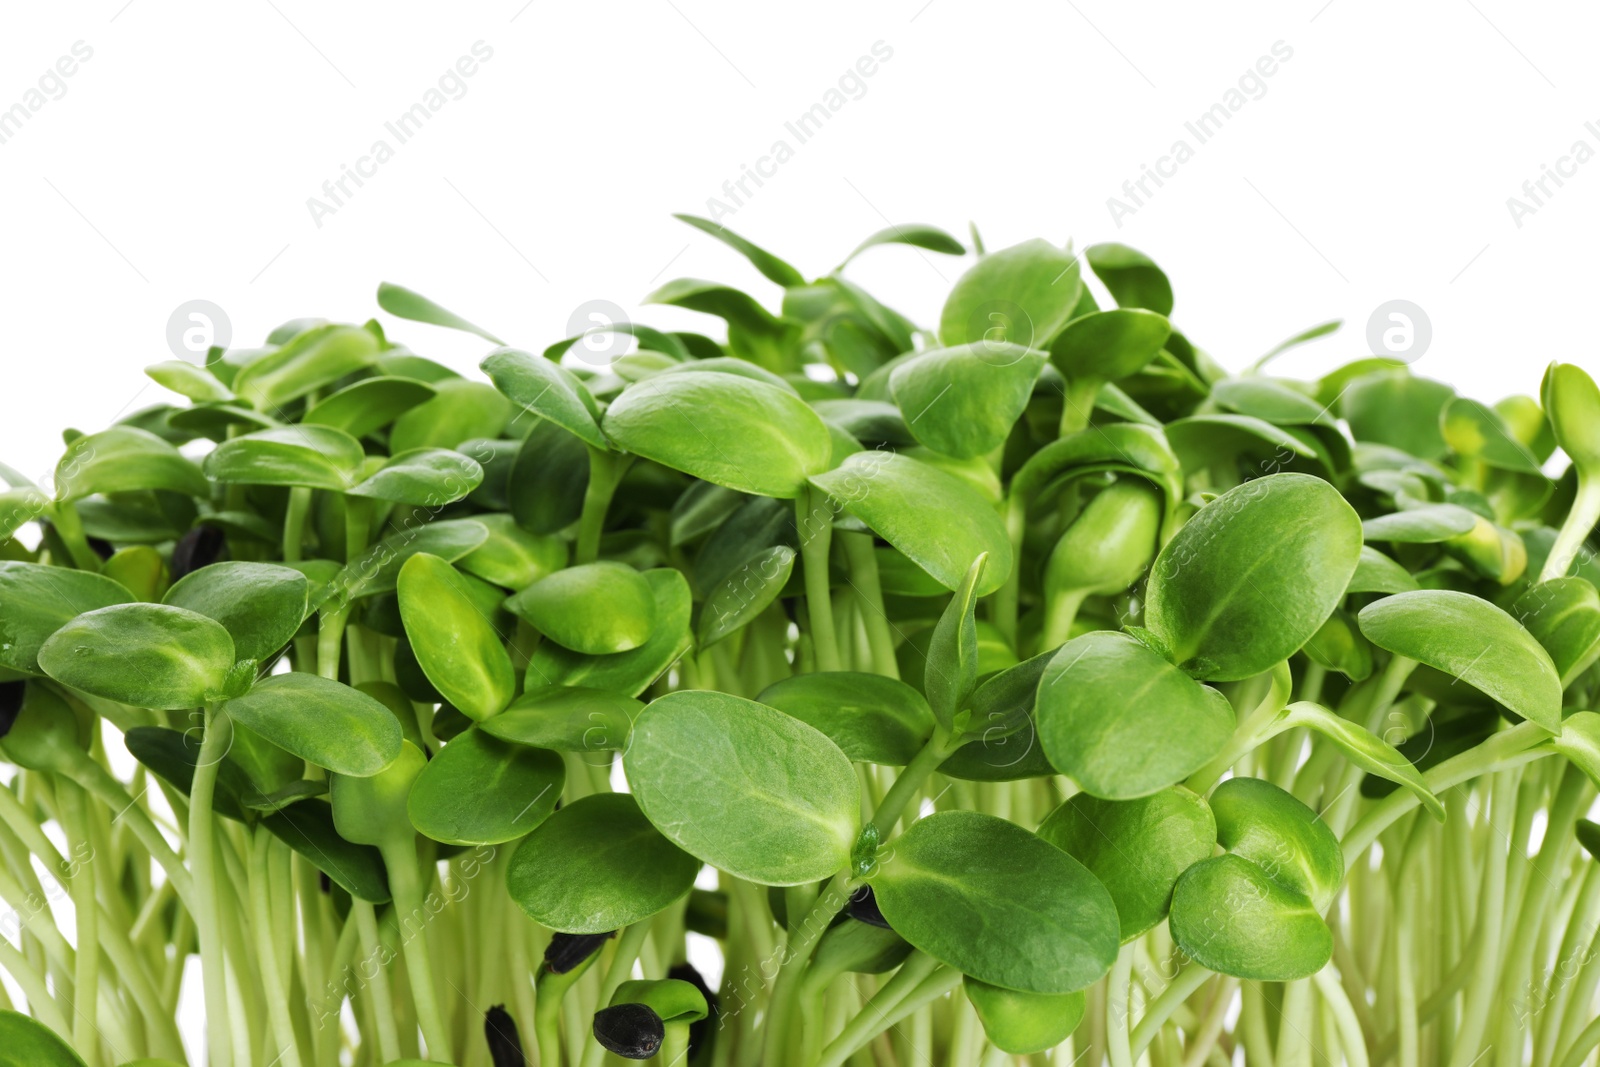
(455, 643)
(322, 721)
(480, 790)
(744, 787)
(598, 865)
(1253, 575)
(146, 655)
(953, 886)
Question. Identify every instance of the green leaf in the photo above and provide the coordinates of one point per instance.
(377, 569)
(598, 865)
(1253, 575)
(873, 719)
(1256, 912)
(1390, 407)
(1024, 1023)
(744, 787)
(512, 558)
(1123, 722)
(952, 670)
(1572, 402)
(1579, 741)
(596, 608)
(937, 521)
(547, 389)
(1428, 524)
(915, 234)
(1230, 917)
(322, 721)
(459, 411)
(146, 655)
(1120, 447)
(1363, 748)
(261, 605)
(950, 886)
(480, 790)
(628, 673)
(422, 477)
(25, 1043)
(1476, 430)
(1377, 573)
(36, 600)
(721, 428)
(1137, 848)
(455, 643)
(368, 405)
(1104, 346)
(318, 457)
(548, 479)
(1022, 295)
(123, 459)
(406, 304)
(771, 267)
(1563, 615)
(308, 828)
(745, 593)
(963, 401)
(1132, 277)
(1471, 639)
(567, 719)
(183, 377)
(313, 359)
(1266, 825)
(1271, 401)
(1227, 440)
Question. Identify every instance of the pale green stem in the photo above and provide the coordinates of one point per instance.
(1077, 404)
(288, 1043)
(1170, 999)
(1506, 749)
(86, 912)
(910, 780)
(202, 859)
(879, 1013)
(294, 522)
(1118, 1044)
(815, 528)
(605, 472)
(401, 860)
(1581, 520)
(382, 997)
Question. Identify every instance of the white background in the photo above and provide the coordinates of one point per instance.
(179, 162)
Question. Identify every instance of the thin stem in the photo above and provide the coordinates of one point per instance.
(1581, 520)
(373, 953)
(283, 1033)
(935, 752)
(1506, 749)
(294, 522)
(875, 1015)
(1118, 1045)
(605, 472)
(816, 535)
(202, 860)
(1077, 404)
(69, 527)
(405, 885)
(86, 912)
(864, 577)
(1180, 989)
